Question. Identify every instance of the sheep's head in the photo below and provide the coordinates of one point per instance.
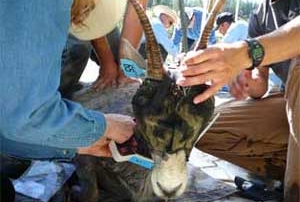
(170, 124)
(166, 117)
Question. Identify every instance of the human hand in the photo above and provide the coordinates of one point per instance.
(108, 75)
(239, 87)
(119, 128)
(218, 65)
(250, 83)
(99, 148)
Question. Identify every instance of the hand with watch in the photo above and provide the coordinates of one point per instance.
(219, 64)
(256, 52)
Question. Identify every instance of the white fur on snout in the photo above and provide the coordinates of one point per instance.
(170, 173)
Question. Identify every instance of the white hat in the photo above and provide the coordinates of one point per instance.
(159, 9)
(102, 20)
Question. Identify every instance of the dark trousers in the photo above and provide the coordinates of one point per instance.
(10, 168)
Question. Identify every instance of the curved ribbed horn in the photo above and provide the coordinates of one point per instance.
(210, 5)
(202, 43)
(154, 60)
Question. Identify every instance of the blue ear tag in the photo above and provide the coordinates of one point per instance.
(141, 161)
(131, 69)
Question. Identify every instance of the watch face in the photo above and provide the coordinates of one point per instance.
(257, 52)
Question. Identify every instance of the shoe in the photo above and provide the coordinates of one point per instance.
(256, 191)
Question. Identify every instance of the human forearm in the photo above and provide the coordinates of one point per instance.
(119, 129)
(103, 50)
(132, 28)
(221, 63)
(283, 43)
(108, 72)
(35, 151)
(279, 45)
(60, 124)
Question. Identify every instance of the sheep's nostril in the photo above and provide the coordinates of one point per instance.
(169, 192)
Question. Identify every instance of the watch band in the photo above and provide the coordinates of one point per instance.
(256, 52)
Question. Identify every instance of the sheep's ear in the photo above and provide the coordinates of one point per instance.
(155, 68)
(132, 63)
(213, 11)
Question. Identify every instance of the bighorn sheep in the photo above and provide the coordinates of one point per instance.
(168, 124)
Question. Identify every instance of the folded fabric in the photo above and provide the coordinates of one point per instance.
(43, 179)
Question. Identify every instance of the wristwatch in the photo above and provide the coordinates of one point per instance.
(256, 52)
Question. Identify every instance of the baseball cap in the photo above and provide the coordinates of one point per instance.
(223, 17)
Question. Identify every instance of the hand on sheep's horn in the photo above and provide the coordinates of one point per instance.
(119, 128)
(217, 65)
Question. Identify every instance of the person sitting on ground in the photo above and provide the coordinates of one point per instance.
(163, 20)
(232, 31)
(260, 134)
(193, 16)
